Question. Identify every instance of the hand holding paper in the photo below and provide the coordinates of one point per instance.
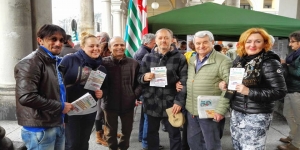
(240, 88)
(236, 77)
(99, 93)
(149, 76)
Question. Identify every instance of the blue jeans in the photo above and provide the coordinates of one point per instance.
(78, 131)
(141, 127)
(145, 132)
(204, 134)
(49, 139)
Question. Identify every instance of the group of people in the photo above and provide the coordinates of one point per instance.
(46, 86)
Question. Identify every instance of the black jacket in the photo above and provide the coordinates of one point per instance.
(37, 91)
(123, 87)
(67, 49)
(158, 99)
(271, 87)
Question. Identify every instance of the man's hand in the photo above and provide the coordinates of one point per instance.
(179, 86)
(223, 86)
(218, 117)
(68, 107)
(240, 88)
(138, 102)
(99, 93)
(176, 109)
(149, 76)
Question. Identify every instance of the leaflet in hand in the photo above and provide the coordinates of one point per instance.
(95, 80)
(84, 103)
(236, 77)
(160, 79)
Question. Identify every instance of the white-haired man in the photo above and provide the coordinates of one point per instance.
(205, 71)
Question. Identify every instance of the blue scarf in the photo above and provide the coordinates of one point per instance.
(90, 62)
(293, 56)
(60, 79)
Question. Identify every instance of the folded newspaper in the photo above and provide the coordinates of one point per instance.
(83, 104)
(95, 80)
(206, 106)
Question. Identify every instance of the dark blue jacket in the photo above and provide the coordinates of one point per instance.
(74, 77)
(139, 54)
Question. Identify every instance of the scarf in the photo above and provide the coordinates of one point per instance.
(62, 89)
(293, 56)
(252, 65)
(90, 62)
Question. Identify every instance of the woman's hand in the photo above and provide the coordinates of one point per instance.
(99, 94)
(240, 88)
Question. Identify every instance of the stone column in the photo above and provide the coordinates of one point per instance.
(106, 17)
(257, 5)
(41, 14)
(219, 1)
(16, 43)
(124, 22)
(117, 17)
(290, 9)
(234, 3)
(193, 2)
(179, 4)
(87, 16)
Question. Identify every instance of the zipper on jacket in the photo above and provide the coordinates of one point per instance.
(193, 94)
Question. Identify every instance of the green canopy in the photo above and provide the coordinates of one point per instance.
(223, 21)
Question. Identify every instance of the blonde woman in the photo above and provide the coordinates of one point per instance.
(76, 69)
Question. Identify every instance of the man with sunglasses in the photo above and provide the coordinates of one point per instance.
(40, 92)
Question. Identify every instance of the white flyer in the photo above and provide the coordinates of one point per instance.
(206, 106)
(160, 74)
(83, 104)
(95, 80)
(235, 77)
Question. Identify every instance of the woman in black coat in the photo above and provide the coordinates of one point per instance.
(254, 99)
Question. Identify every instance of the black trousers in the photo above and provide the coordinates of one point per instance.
(78, 131)
(153, 135)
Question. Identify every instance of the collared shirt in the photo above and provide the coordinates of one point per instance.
(200, 63)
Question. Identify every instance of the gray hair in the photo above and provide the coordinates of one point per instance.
(112, 39)
(272, 39)
(170, 31)
(103, 34)
(201, 34)
(147, 38)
